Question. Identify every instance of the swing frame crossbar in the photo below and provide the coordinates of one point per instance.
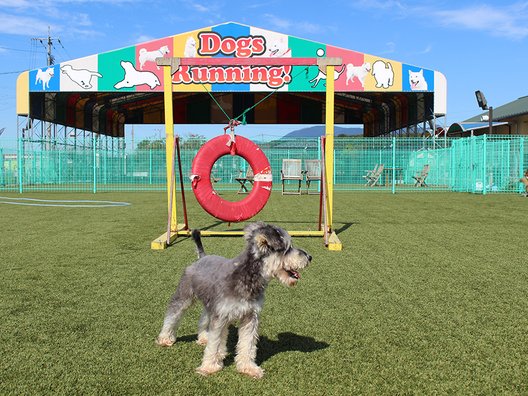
(174, 230)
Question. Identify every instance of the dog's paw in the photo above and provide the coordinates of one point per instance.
(165, 341)
(202, 339)
(209, 369)
(253, 371)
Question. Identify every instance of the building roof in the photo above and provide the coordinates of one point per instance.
(105, 91)
(464, 127)
(516, 108)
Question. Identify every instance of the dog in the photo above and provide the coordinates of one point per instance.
(357, 71)
(322, 76)
(135, 77)
(233, 290)
(44, 76)
(81, 77)
(417, 81)
(190, 48)
(383, 74)
(150, 56)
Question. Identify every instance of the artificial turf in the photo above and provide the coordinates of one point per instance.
(428, 296)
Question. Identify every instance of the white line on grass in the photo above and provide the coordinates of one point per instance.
(61, 203)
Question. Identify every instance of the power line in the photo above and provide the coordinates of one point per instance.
(47, 42)
(12, 72)
(16, 49)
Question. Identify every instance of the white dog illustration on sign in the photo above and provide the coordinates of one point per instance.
(150, 56)
(190, 48)
(81, 77)
(322, 76)
(135, 77)
(417, 81)
(357, 71)
(383, 74)
(44, 77)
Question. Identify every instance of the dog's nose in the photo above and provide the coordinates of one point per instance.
(309, 258)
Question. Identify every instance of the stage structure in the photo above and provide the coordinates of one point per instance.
(224, 72)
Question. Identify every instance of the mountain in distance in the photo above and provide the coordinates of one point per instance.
(319, 130)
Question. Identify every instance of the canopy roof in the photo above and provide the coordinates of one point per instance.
(103, 92)
(512, 109)
(466, 127)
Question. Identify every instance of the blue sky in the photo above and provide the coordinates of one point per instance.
(475, 44)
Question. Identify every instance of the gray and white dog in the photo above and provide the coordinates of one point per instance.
(233, 290)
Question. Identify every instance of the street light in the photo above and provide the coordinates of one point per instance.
(483, 104)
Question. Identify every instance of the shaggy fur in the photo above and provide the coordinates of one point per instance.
(233, 290)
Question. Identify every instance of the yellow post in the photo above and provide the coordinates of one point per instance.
(333, 242)
(329, 132)
(169, 144)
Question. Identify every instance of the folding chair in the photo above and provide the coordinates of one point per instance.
(312, 173)
(420, 177)
(291, 170)
(375, 176)
(243, 178)
(369, 173)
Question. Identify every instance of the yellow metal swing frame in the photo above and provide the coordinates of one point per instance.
(170, 65)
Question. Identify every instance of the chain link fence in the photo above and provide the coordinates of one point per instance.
(482, 164)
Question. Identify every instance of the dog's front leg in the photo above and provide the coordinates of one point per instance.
(246, 350)
(213, 359)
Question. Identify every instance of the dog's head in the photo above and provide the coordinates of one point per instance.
(272, 245)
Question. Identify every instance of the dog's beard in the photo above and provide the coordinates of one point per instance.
(284, 267)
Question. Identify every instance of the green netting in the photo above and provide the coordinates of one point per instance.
(483, 164)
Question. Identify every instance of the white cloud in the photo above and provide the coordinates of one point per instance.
(26, 26)
(505, 20)
(380, 5)
(510, 21)
(391, 48)
(286, 24)
(426, 50)
(278, 22)
(15, 3)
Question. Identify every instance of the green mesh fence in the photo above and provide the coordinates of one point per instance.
(483, 164)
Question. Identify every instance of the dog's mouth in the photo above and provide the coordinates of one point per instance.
(293, 274)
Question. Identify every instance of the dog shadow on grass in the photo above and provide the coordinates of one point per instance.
(267, 347)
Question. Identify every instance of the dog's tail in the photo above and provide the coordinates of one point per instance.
(198, 240)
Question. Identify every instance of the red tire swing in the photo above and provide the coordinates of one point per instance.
(203, 189)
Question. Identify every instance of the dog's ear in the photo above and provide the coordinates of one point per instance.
(251, 228)
(262, 243)
(270, 239)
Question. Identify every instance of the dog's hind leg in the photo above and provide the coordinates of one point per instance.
(213, 359)
(246, 350)
(179, 302)
(203, 325)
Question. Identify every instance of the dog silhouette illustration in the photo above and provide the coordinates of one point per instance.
(357, 71)
(81, 77)
(417, 81)
(190, 48)
(44, 76)
(383, 74)
(135, 77)
(150, 56)
(322, 76)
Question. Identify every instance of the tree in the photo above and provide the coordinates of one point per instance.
(146, 144)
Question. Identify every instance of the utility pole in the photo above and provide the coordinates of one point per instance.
(47, 42)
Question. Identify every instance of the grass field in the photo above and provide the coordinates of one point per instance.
(429, 296)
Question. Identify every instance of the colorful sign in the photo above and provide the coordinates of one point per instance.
(134, 69)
